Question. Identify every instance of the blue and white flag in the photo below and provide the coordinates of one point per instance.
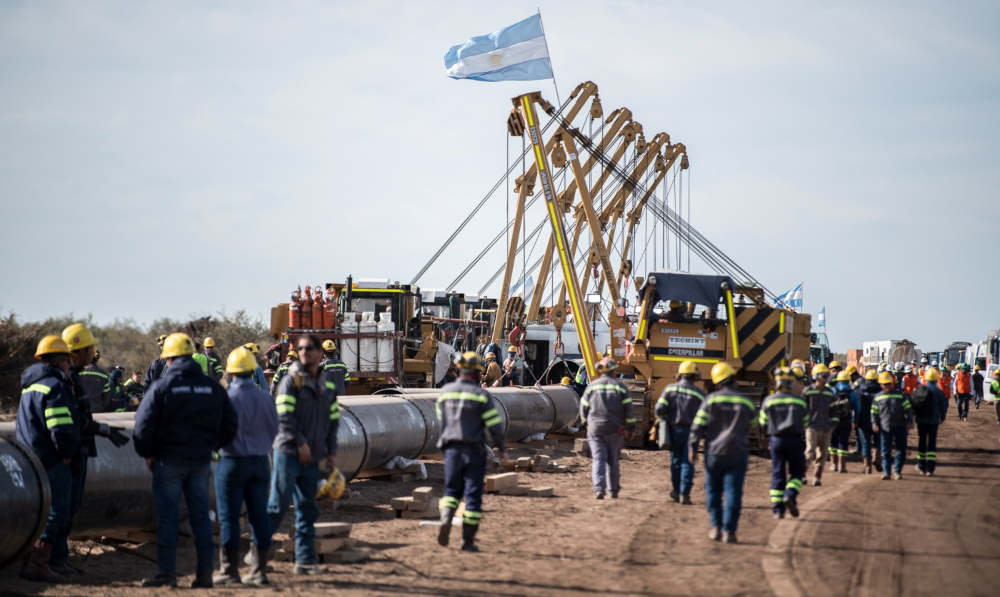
(791, 299)
(526, 291)
(515, 53)
(822, 317)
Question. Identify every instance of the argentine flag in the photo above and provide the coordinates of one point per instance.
(515, 53)
(791, 299)
(822, 317)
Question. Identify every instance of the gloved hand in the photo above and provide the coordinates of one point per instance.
(115, 434)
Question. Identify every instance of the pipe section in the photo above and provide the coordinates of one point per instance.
(373, 430)
(24, 501)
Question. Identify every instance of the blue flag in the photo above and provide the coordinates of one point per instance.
(791, 299)
(822, 317)
(515, 53)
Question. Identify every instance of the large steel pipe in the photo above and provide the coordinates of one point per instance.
(373, 430)
(24, 500)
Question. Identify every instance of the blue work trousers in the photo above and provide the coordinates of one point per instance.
(169, 480)
(238, 480)
(895, 436)
(788, 461)
(58, 525)
(291, 481)
(78, 472)
(681, 469)
(927, 446)
(963, 404)
(864, 441)
(725, 473)
(840, 439)
(606, 452)
(464, 475)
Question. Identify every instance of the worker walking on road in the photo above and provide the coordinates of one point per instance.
(466, 411)
(283, 369)
(977, 385)
(930, 408)
(336, 370)
(309, 416)
(963, 390)
(47, 424)
(945, 383)
(243, 473)
(214, 360)
(184, 417)
(995, 392)
(606, 408)
(892, 416)
(678, 406)
(845, 404)
(868, 441)
(724, 419)
(819, 432)
(785, 416)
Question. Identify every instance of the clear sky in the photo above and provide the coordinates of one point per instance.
(176, 158)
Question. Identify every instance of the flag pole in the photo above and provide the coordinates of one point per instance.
(540, 22)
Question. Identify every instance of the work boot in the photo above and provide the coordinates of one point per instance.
(258, 567)
(675, 496)
(444, 532)
(897, 476)
(599, 496)
(248, 560)
(818, 478)
(919, 468)
(204, 581)
(310, 569)
(714, 534)
(868, 465)
(36, 566)
(843, 464)
(792, 505)
(686, 500)
(65, 568)
(885, 476)
(229, 567)
(729, 538)
(469, 537)
(614, 495)
(160, 580)
(779, 515)
(877, 462)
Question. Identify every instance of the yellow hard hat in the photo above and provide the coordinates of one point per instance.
(490, 355)
(722, 372)
(996, 373)
(820, 369)
(160, 340)
(843, 376)
(333, 487)
(565, 381)
(77, 337)
(329, 346)
(51, 344)
(783, 374)
(471, 360)
(209, 343)
(606, 365)
(177, 345)
(798, 368)
(241, 361)
(976, 368)
(932, 375)
(511, 348)
(886, 377)
(252, 347)
(292, 354)
(871, 375)
(851, 369)
(687, 368)
(835, 365)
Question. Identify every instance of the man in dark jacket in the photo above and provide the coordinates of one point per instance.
(283, 369)
(725, 419)
(606, 408)
(95, 380)
(678, 406)
(214, 360)
(184, 417)
(157, 367)
(868, 440)
(977, 385)
(892, 416)
(308, 415)
(785, 416)
(46, 424)
(822, 421)
(932, 415)
(466, 411)
(335, 369)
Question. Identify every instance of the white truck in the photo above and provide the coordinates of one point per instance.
(889, 352)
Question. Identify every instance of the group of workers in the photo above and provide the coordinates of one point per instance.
(809, 420)
(185, 420)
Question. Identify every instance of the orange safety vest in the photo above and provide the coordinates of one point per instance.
(945, 384)
(963, 383)
(909, 383)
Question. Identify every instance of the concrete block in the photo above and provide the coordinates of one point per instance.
(515, 490)
(327, 505)
(541, 492)
(523, 463)
(540, 463)
(404, 478)
(545, 452)
(500, 481)
(581, 447)
(333, 529)
(416, 506)
(420, 514)
(332, 544)
(401, 503)
(284, 556)
(423, 494)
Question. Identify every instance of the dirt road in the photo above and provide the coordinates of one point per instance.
(857, 535)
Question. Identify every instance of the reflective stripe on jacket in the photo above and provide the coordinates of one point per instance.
(466, 411)
(725, 419)
(606, 406)
(784, 414)
(679, 403)
(47, 415)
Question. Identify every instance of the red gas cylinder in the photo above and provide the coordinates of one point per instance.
(307, 307)
(318, 309)
(294, 312)
(330, 315)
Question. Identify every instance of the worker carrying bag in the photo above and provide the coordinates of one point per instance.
(922, 401)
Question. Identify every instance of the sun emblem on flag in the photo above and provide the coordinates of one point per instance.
(496, 59)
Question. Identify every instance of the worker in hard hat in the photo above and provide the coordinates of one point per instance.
(845, 404)
(819, 432)
(493, 371)
(835, 368)
(133, 389)
(995, 392)
(678, 405)
(82, 345)
(784, 416)
(183, 419)
(309, 416)
(892, 417)
(606, 408)
(963, 390)
(583, 376)
(910, 380)
(258, 374)
(977, 385)
(675, 313)
(867, 440)
(158, 366)
(724, 419)
(200, 358)
(243, 473)
(510, 373)
(95, 382)
(466, 412)
(930, 408)
(336, 370)
(214, 360)
(117, 400)
(283, 369)
(945, 383)
(48, 424)
(798, 369)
